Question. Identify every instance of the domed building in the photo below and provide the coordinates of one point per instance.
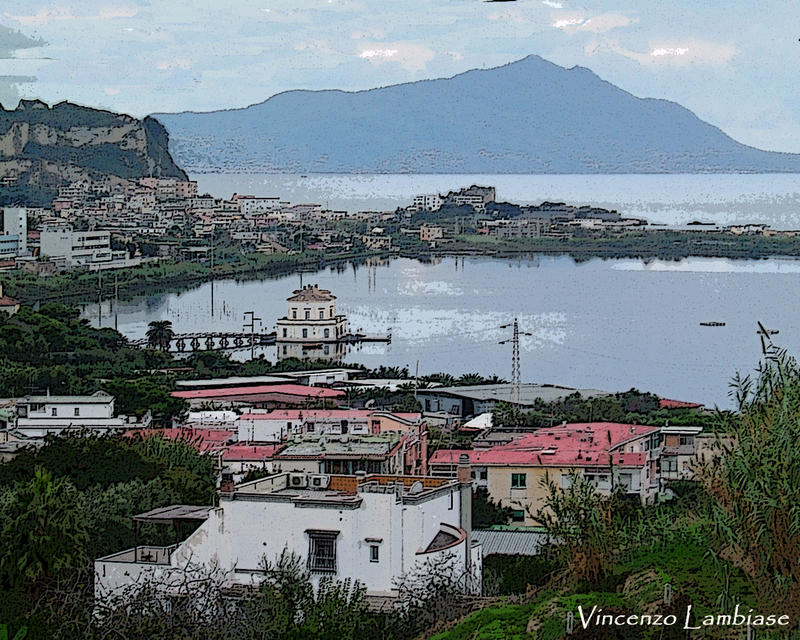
(311, 319)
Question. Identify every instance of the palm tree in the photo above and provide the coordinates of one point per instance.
(470, 379)
(160, 334)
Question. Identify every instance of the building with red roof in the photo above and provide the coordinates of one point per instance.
(268, 395)
(274, 426)
(516, 473)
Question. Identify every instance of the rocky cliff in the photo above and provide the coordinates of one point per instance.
(42, 148)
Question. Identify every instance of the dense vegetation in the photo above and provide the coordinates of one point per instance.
(631, 407)
(649, 244)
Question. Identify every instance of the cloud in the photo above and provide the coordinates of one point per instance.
(674, 54)
(596, 24)
(46, 15)
(554, 5)
(410, 56)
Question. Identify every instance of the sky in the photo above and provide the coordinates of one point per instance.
(734, 63)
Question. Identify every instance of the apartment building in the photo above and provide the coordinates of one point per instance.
(375, 529)
(516, 474)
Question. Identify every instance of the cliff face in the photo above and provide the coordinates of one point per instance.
(42, 148)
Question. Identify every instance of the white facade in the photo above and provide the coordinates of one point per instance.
(13, 232)
(311, 317)
(77, 247)
(38, 416)
(378, 530)
(427, 202)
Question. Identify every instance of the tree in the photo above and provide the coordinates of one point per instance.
(160, 334)
(44, 530)
(486, 512)
(752, 479)
(507, 415)
(584, 523)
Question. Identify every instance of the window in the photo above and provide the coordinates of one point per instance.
(305, 333)
(284, 332)
(322, 551)
(518, 480)
(517, 515)
(284, 349)
(307, 315)
(687, 440)
(327, 333)
(54, 412)
(484, 475)
(77, 412)
(294, 314)
(326, 350)
(322, 314)
(669, 463)
(374, 551)
(331, 312)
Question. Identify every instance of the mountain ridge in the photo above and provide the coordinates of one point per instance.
(527, 116)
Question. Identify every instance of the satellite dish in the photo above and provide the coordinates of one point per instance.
(416, 488)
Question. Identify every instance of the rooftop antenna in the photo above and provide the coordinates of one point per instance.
(516, 376)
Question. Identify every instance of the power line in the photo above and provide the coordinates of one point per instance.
(516, 375)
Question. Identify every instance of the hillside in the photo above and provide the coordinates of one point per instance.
(530, 116)
(42, 148)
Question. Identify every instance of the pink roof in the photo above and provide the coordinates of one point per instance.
(285, 389)
(252, 452)
(560, 446)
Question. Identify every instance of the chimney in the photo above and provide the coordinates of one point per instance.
(463, 471)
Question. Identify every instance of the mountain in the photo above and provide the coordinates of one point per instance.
(530, 116)
(42, 148)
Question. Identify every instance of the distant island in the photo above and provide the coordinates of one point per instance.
(527, 117)
(44, 148)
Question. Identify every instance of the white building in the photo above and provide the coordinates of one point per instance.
(251, 205)
(13, 232)
(378, 530)
(311, 317)
(427, 202)
(76, 247)
(38, 416)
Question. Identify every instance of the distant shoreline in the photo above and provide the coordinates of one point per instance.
(86, 287)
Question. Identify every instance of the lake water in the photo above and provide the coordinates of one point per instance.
(669, 199)
(607, 324)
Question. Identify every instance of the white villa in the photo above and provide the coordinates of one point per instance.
(311, 317)
(38, 416)
(377, 529)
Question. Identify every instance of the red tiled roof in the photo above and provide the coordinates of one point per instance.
(560, 446)
(252, 452)
(7, 301)
(311, 293)
(283, 389)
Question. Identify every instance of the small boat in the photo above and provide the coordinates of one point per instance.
(712, 324)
